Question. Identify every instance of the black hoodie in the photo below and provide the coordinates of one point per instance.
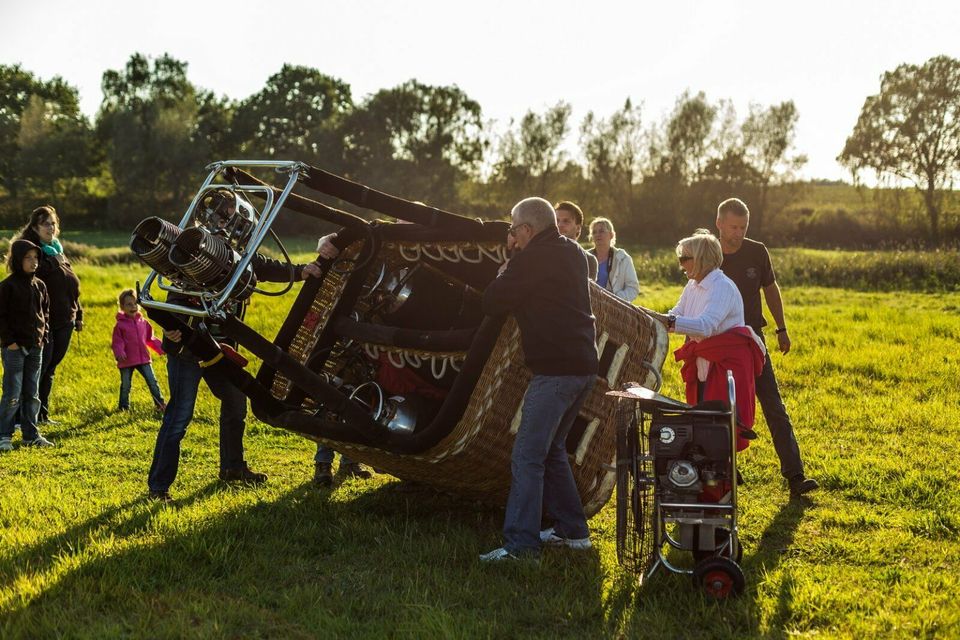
(24, 304)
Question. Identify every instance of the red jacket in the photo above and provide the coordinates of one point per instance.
(131, 337)
(735, 350)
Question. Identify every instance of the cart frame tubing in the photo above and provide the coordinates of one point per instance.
(725, 511)
(213, 303)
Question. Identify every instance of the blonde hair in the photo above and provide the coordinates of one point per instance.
(606, 222)
(705, 250)
(125, 294)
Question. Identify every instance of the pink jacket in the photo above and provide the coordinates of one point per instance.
(131, 337)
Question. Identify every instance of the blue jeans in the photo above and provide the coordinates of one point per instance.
(126, 379)
(21, 376)
(542, 479)
(183, 375)
(781, 429)
(325, 455)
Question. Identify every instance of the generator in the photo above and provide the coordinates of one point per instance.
(677, 487)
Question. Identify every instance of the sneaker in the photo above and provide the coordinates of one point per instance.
(243, 475)
(6, 444)
(801, 485)
(160, 496)
(39, 441)
(322, 474)
(497, 555)
(355, 470)
(549, 538)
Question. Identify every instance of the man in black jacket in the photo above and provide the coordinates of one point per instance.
(545, 286)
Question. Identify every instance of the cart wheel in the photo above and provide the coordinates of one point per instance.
(719, 577)
(721, 536)
(634, 497)
(625, 521)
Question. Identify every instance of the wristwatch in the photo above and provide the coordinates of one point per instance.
(671, 321)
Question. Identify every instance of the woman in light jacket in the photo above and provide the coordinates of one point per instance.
(616, 272)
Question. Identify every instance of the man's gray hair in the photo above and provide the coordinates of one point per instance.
(536, 212)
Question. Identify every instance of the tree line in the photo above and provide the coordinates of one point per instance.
(144, 152)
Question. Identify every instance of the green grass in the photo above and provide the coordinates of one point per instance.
(871, 385)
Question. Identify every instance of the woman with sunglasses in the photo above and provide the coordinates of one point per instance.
(710, 314)
(63, 287)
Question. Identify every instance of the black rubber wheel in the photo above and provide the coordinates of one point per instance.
(624, 482)
(719, 578)
(721, 536)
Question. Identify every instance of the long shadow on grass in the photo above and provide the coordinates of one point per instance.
(775, 543)
(670, 605)
(101, 420)
(362, 561)
(125, 520)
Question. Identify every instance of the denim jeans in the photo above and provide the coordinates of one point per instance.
(183, 376)
(542, 479)
(325, 455)
(21, 375)
(53, 353)
(126, 379)
(781, 429)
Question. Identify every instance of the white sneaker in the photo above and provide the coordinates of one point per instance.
(497, 555)
(39, 441)
(6, 444)
(551, 539)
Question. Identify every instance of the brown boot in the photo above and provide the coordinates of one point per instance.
(355, 470)
(322, 474)
(243, 475)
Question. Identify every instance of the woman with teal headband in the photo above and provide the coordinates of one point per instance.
(63, 287)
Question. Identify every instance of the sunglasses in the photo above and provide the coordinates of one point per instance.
(513, 230)
(684, 259)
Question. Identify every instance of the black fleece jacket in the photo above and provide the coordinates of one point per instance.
(546, 288)
(63, 286)
(24, 304)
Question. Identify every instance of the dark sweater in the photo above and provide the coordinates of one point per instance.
(24, 304)
(63, 286)
(546, 288)
(266, 269)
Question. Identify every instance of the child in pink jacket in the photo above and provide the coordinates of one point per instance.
(131, 337)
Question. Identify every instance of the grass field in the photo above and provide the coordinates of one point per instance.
(872, 387)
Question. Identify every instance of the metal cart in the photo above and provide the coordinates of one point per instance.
(677, 487)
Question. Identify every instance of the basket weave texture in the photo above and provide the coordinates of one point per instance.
(473, 460)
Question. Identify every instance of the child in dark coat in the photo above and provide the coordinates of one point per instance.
(132, 335)
(24, 325)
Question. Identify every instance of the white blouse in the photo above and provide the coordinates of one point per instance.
(708, 308)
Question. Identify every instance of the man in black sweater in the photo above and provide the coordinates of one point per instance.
(545, 286)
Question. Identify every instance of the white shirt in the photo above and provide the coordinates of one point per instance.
(708, 308)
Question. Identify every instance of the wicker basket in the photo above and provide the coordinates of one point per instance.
(474, 459)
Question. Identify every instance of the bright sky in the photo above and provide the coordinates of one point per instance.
(826, 56)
